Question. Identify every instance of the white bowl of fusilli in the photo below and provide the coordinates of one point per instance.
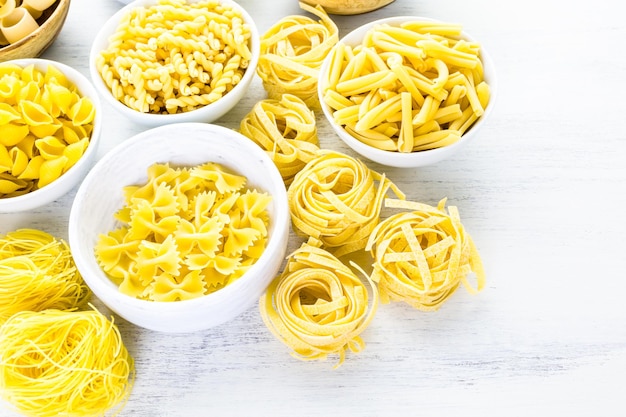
(163, 61)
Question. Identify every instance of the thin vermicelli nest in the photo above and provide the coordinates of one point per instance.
(37, 272)
(63, 363)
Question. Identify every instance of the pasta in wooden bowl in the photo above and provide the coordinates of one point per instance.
(407, 91)
(49, 136)
(29, 27)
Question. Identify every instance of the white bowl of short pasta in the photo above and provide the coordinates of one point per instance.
(413, 158)
(201, 112)
(72, 176)
(101, 195)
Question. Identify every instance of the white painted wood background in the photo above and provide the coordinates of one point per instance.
(543, 193)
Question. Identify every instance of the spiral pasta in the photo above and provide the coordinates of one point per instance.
(176, 56)
(422, 255)
(37, 272)
(286, 130)
(292, 52)
(45, 127)
(64, 363)
(318, 306)
(337, 199)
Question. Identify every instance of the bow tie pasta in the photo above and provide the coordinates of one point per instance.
(185, 233)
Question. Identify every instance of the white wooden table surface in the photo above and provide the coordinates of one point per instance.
(543, 193)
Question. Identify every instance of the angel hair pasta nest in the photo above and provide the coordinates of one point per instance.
(37, 272)
(63, 363)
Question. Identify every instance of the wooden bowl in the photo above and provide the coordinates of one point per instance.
(348, 7)
(50, 24)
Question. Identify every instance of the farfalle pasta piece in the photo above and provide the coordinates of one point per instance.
(292, 52)
(189, 284)
(44, 118)
(421, 255)
(317, 306)
(337, 199)
(286, 130)
(186, 232)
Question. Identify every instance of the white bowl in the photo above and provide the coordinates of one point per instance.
(75, 174)
(208, 113)
(398, 159)
(186, 144)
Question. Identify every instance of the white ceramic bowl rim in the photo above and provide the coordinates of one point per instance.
(153, 119)
(354, 38)
(103, 284)
(86, 89)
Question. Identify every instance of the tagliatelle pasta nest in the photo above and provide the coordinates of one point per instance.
(318, 306)
(337, 199)
(37, 272)
(64, 363)
(292, 52)
(286, 130)
(422, 255)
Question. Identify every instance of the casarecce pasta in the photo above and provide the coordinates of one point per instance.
(407, 88)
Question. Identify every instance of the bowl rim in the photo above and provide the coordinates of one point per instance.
(153, 119)
(29, 200)
(106, 290)
(62, 7)
(410, 159)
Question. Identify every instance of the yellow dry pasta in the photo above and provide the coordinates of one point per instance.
(64, 363)
(37, 272)
(407, 88)
(185, 233)
(286, 130)
(176, 56)
(45, 127)
(337, 199)
(16, 23)
(317, 306)
(422, 254)
(292, 52)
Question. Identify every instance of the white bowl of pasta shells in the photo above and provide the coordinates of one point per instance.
(173, 269)
(165, 61)
(407, 91)
(49, 135)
